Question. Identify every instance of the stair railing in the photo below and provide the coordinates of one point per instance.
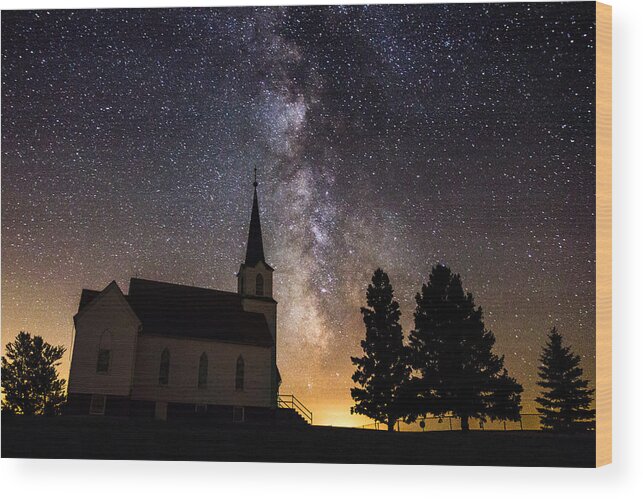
(292, 402)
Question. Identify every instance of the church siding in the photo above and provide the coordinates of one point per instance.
(183, 386)
(110, 313)
(269, 310)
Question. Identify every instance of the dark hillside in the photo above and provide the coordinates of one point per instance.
(103, 438)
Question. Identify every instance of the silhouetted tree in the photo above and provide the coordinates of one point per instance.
(383, 369)
(455, 370)
(30, 382)
(565, 401)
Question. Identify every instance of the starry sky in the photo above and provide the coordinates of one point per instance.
(393, 136)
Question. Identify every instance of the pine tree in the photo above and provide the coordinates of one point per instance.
(456, 371)
(383, 369)
(30, 382)
(565, 401)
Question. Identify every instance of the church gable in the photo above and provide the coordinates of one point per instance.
(104, 344)
(112, 293)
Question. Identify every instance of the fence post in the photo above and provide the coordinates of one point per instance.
(450, 425)
(504, 424)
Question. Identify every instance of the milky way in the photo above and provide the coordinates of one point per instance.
(392, 136)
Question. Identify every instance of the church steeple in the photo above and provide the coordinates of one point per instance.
(254, 285)
(254, 250)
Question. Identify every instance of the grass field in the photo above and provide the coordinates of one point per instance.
(105, 438)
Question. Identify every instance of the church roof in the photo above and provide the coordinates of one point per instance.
(254, 250)
(86, 296)
(186, 311)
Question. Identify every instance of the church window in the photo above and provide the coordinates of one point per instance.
(104, 353)
(164, 368)
(203, 371)
(102, 365)
(239, 378)
(97, 405)
(238, 415)
(259, 285)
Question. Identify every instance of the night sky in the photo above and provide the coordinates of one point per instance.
(392, 136)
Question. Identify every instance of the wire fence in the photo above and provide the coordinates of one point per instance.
(527, 421)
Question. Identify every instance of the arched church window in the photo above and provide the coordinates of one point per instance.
(259, 285)
(164, 368)
(104, 353)
(203, 371)
(240, 374)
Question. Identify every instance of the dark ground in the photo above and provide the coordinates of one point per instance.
(107, 438)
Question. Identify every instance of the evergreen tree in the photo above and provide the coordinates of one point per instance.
(455, 369)
(565, 401)
(30, 382)
(382, 370)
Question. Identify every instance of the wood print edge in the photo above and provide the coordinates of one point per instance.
(603, 234)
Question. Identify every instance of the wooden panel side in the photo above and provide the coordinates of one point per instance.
(603, 234)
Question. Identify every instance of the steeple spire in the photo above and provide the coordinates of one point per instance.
(254, 250)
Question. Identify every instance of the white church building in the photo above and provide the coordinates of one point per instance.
(168, 350)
